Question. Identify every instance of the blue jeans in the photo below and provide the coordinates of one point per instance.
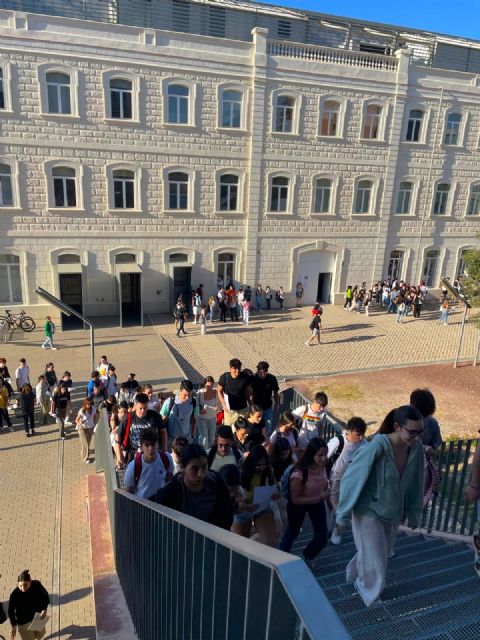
(399, 315)
(444, 316)
(258, 303)
(296, 515)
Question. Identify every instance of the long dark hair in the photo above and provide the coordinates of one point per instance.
(256, 455)
(279, 464)
(306, 461)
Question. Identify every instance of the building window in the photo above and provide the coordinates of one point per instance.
(2, 90)
(441, 199)
(216, 22)
(6, 187)
(68, 258)
(363, 198)
(279, 194)
(430, 267)
(10, 281)
(395, 265)
(371, 124)
(231, 108)
(178, 97)
(284, 29)
(64, 191)
(414, 125)
(330, 118)
(123, 189)
(226, 268)
(474, 201)
(125, 258)
(405, 194)
(177, 190)
(228, 192)
(323, 195)
(180, 16)
(452, 128)
(58, 93)
(121, 98)
(461, 263)
(178, 257)
(284, 114)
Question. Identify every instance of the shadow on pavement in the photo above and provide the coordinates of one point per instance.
(74, 632)
(357, 339)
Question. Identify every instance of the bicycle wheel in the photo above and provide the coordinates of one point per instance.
(27, 323)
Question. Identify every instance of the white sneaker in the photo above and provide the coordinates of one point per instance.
(43, 346)
(307, 343)
(336, 538)
(54, 348)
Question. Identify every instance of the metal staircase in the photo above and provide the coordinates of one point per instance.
(432, 591)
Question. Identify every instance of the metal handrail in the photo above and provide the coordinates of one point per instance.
(276, 595)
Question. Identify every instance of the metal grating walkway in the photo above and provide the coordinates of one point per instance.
(432, 590)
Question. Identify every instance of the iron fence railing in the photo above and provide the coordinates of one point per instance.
(184, 578)
(447, 512)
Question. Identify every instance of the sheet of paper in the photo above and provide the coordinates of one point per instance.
(263, 495)
(37, 624)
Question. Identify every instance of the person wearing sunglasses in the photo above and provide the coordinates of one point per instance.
(382, 487)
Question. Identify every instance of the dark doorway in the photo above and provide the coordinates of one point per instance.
(130, 299)
(182, 284)
(70, 285)
(324, 287)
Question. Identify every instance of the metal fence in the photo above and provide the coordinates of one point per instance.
(448, 512)
(186, 579)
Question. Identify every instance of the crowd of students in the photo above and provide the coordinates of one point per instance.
(226, 455)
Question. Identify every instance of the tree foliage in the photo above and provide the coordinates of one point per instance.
(471, 281)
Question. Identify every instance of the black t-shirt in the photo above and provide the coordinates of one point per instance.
(60, 401)
(236, 389)
(263, 388)
(24, 604)
(151, 420)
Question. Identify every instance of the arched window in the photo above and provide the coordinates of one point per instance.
(441, 199)
(125, 258)
(178, 104)
(64, 187)
(461, 263)
(68, 258)
(452, 128)
(6, 186)
(121, 91)
(123, 189)
(231, 108)
(330, 118)
(226, 268)
(474, 201)
(279, 194)
(284, 114)
(177, 190)
(323, 195)
(178, 257)
(371, 123)
(414, 125)
(363, 198)
(404, 201)
(228, 192)
(10, 281)
(58, 92)
(395, 265)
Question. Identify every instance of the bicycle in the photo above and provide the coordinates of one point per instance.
(18, 321)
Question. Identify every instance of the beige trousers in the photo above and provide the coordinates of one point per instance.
(29, 635)
(85, 436)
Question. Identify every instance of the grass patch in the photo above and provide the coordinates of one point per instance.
(343, 391)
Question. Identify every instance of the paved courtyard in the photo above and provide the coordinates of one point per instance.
(44, 515)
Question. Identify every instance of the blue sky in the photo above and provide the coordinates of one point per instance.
(460, 18)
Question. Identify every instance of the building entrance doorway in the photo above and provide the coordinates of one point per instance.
(70, 286)
(182, 285)
(315, 271)
(130, 299)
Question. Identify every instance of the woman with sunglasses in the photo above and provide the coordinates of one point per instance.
(382, 486)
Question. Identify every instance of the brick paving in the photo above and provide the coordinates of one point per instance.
(44, 518)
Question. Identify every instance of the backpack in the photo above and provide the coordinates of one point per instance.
(127, 430)
(277, 296)
(138, 465)
(197, 301)
(335, 455)
(285, 481)
(171, 404)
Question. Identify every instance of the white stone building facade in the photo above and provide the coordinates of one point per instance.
(135, 163)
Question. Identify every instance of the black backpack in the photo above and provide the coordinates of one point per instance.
(336, 454)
